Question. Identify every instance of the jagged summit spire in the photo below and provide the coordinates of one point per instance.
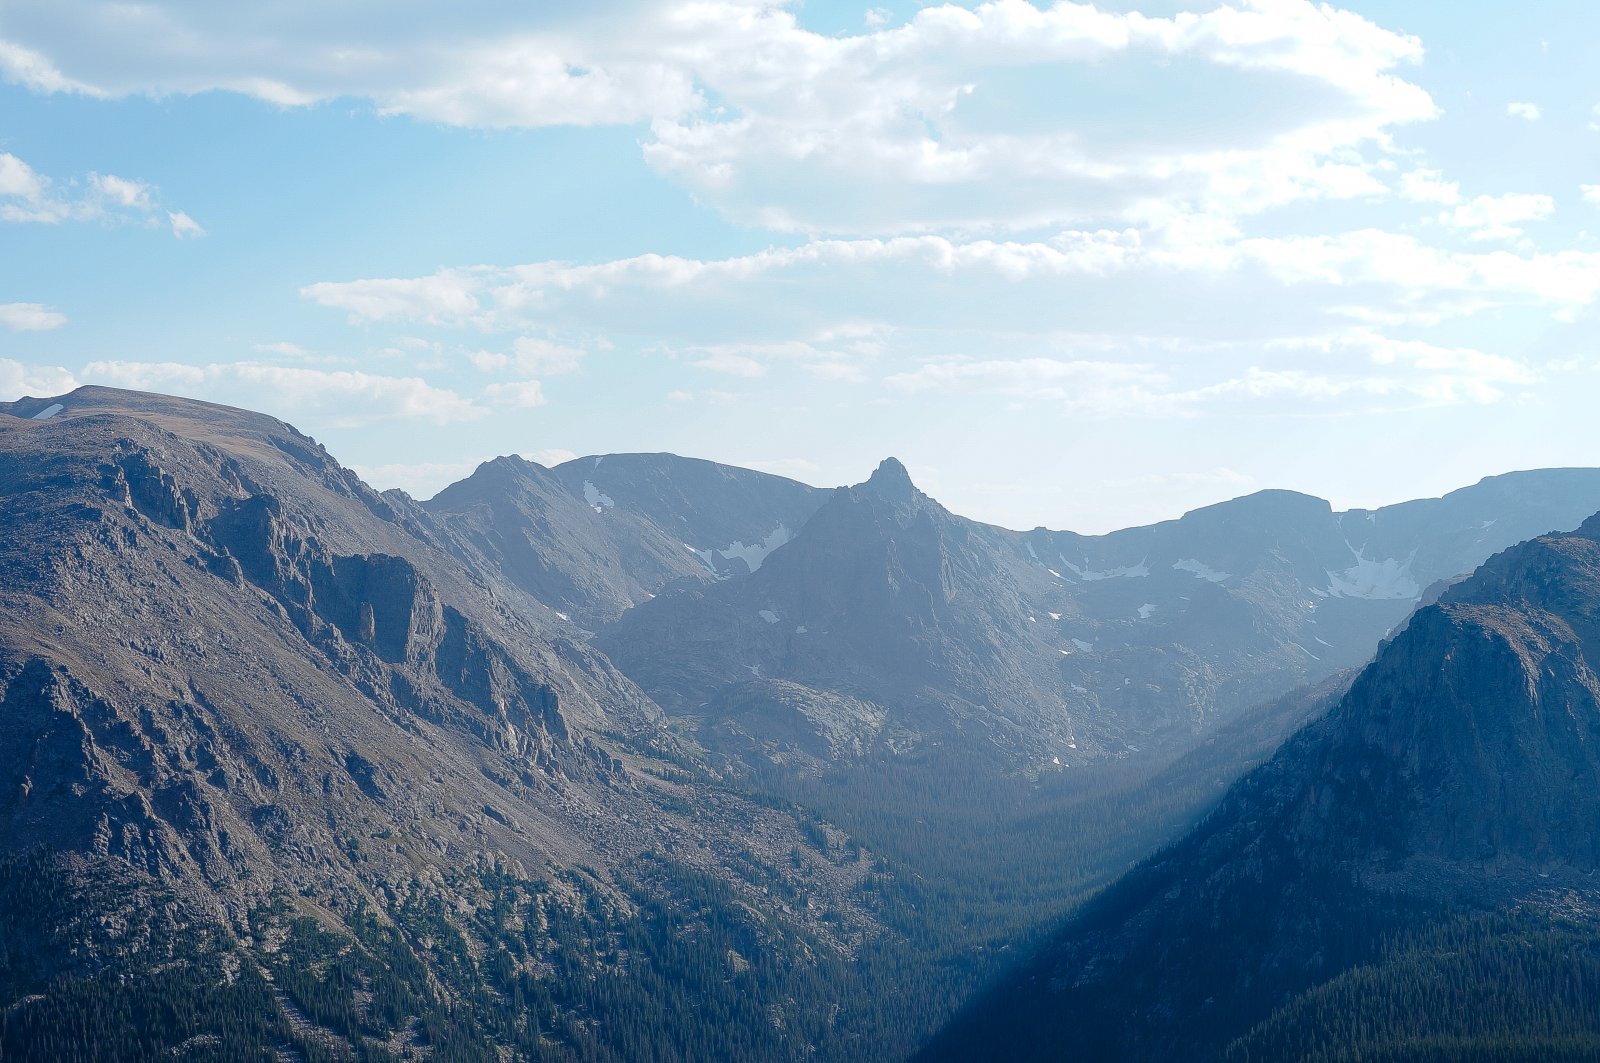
(891, 480)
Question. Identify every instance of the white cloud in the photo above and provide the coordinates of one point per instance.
(30, 317)
(341, 398)
(18, 180)
(1528, 112)
(22, 66)
(183, 226)
(1498, 217)
(18, 379)
(122, 192)
(28, 196)
(524, 394)
(931, 122)
(1354, 371)
(1428, 186)
(443, 296)
(1092, 387)
(287, 350)
(531, 355)
(1591, 193)
(742, 314)
(909, 127)
(731, 364)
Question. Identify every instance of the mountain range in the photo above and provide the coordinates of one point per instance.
(649, 757)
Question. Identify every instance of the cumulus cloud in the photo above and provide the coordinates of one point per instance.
(29, 196)
(1498, 217)
(30, 317)
(25, 67)
(896, 129)
(1528, 112)
(1428, 186)
(18, 379)
(340, 398)
(1590, 193)
(890, 129)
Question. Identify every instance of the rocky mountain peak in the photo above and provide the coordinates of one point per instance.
(890, 480)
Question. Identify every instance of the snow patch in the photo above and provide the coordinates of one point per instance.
(1081, 690)
(801, 630)
(752, 554)
(1201, 570)
(1325, 642)
(1084, 647)
(597, 501)
(48, 412)
(768, 615)
(1305, 651)
(1030, 551)
(1055, 616)
(1146, 609)
(1089, 575)
(1376, 580)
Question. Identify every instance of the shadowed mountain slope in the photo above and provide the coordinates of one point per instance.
(1410, 877)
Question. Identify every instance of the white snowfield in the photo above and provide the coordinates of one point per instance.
(1083, 647)
(1146, 610)
(752, 554)
(48, 412)
(768, 615)
(1201, 570)
(1376, 580)
(1089, 575)
(597, 501)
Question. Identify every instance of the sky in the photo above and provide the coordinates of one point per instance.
(1080, 266)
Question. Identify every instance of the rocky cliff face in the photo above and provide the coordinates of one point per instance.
(1457, 778)
(728, 518)
(588, 562)
(232, 673)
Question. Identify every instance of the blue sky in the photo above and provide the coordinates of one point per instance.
(1078, 266)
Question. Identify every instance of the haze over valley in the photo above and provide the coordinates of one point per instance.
(744, 531)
